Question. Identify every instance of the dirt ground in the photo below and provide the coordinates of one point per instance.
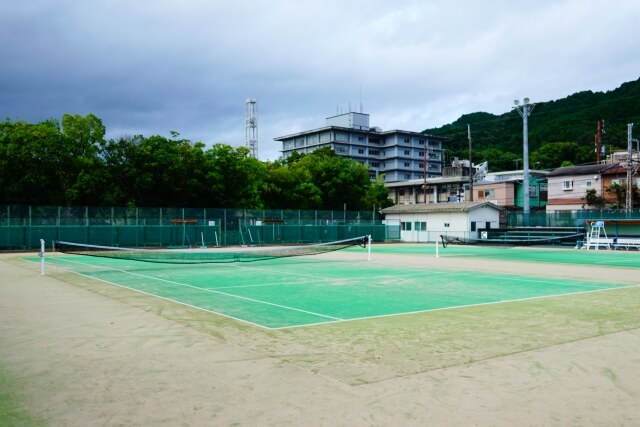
(81, 353)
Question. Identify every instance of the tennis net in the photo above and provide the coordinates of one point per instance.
(512, 241)
(199, 256)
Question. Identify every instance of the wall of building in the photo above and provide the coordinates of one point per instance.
(427, 227)
(568, 192)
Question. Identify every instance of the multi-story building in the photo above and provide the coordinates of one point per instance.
(398, 154)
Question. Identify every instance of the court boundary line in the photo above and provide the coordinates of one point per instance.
(331, 318)
(186, 285)
(458, 307)
(334, 320)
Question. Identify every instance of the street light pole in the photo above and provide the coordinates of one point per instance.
(525, 112)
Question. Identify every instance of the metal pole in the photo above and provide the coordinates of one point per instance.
(470, 165)
(525, 112)
(629, 200)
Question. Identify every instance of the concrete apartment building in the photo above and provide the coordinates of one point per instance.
(397, 154)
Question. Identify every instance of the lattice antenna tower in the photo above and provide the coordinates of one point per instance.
(251, 127)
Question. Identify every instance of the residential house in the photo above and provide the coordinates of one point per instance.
(567, 186)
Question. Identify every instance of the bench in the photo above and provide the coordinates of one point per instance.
(627, 243)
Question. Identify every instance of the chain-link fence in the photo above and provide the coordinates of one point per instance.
(22, 227)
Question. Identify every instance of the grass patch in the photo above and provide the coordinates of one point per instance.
(12, 407)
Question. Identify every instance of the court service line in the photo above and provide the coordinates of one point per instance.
(205, 290)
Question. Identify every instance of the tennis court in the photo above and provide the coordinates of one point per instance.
(342, 286)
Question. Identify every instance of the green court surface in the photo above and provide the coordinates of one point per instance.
(603, 258)
(303, 291)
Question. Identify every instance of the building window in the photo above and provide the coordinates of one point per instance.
(405, 226)
(407, 176)
(374, 152)
(407, 152)
(420, 226)
(484, 194)
(407, 141)
(421, 142)
(407, 164)
(375, 164)
(360, 150)
(567, 185)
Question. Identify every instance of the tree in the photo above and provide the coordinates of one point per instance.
(552, 154)
(342, 181)
(377, 195)
(233, 178)
(32, 161)
(592, 199)
(288, 185)
(620, 193)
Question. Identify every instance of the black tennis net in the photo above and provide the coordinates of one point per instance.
(201, 256)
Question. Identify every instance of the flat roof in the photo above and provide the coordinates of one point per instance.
(370, 131)
(439, 207)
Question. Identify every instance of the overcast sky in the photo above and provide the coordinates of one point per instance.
(154, 66)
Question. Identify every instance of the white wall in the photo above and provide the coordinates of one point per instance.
(455, 224)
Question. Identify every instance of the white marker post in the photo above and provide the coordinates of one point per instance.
(369, 247)
(42, 257)
(437, 246)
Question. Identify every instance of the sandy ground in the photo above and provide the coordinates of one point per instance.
(85, 354)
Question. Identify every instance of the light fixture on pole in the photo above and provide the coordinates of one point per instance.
(525, 111)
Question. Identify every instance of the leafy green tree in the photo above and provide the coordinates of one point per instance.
(620, 193)
(592, 199)
(342, 181)
(552, 154)
(288, 185)
(377, 195)
(233, 178)
(498, 160)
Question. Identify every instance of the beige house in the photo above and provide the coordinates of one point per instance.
(568, 186)
(426, 222)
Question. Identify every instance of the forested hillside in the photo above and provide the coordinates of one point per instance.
(559, 131)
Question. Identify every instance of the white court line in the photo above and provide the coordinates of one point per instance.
(200, 289)
(428, 273)
(340, 320)
(380, 316)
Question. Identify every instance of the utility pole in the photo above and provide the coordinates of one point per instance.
(598, 141)
(424, 171)
(470, 165)
(525, 112)
(629, 200)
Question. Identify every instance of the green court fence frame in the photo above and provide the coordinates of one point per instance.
(22, 227)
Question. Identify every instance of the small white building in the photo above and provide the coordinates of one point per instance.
(426, 222)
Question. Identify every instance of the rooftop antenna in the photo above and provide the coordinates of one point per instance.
(251, 127)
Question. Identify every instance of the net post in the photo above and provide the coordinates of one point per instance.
(437, 246)
(42, 257)
(369, 247)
